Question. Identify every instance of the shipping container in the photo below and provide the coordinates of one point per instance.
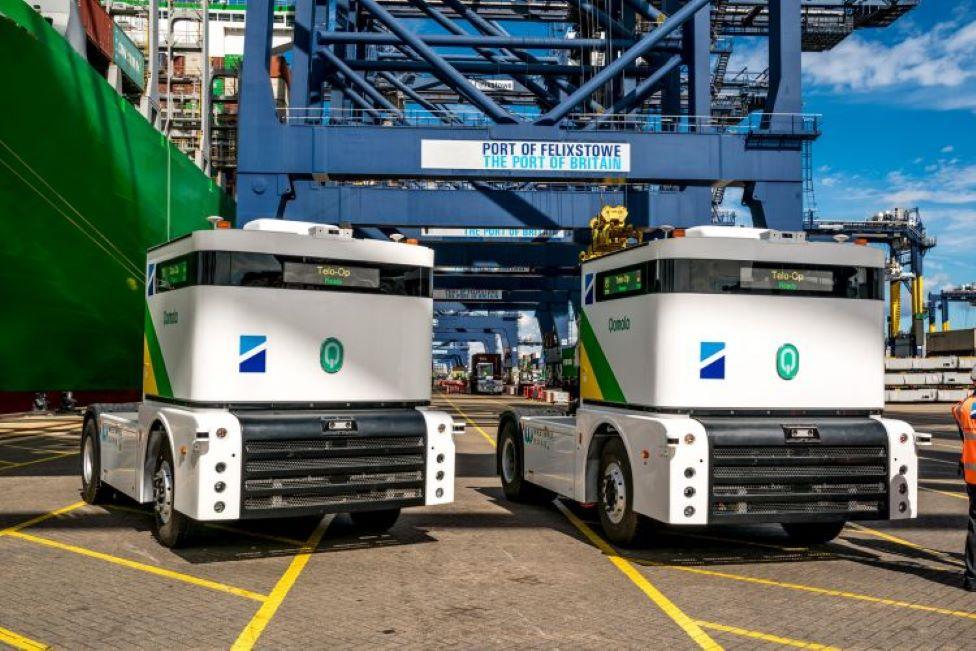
(98, 26)
(957, 342)
(280, 69)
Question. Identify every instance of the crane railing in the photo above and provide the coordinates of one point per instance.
(784, 124)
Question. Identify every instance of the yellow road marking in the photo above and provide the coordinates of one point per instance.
(60, 455)
(19, 641)
(688, 625)
(960, 496)
(292, 542)
(35, 450)
(766, 637)
(815, 590)
(41, 518)
(950, 463)
(934, 553)
(488, 438)
(691, 627)
(143, 567)
(213, 525)
(249, 636)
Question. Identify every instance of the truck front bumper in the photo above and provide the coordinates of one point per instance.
(307, 463)
(809, 469)
(769, 469)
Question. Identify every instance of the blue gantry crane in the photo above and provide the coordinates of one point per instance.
(939, 302)
(903, 233)
(494, 130)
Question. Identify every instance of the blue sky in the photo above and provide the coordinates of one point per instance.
(899, 130)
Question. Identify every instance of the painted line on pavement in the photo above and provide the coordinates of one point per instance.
(816, 590)
(249, 636)
(693, 630)
(692, 627)
(60, 455)
(933, 553)
(958, 496)
(951, 463)
(142, 567)
(41, 518)
(765, 637)
(294, 542)
(18, 641)
(688, 625)
(488, 438)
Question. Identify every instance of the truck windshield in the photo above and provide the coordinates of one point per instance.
(244, 269)
(702, 276)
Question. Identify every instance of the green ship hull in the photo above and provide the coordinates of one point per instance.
(86, 186)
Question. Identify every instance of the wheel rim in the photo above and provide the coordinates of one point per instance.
(88, 461)
(508, 461)
(614, 492)
(163, 492)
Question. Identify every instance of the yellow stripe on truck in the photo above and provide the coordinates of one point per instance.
(148, 376)
(589, 387)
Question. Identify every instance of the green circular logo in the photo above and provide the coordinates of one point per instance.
(787, 361)
(331, 355)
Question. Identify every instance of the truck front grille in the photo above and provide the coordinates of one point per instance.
(303, 467)
(754, 483)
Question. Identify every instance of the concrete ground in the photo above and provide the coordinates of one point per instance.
(480, 573)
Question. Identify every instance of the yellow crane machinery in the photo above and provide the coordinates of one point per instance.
(610, 232)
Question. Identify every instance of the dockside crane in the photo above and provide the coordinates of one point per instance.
(940, 302)
(903, 233)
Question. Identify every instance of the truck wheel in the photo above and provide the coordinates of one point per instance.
(172, 527)
(516, 488)
(616, 496)
(375, 521)
(93, 490)
(812, 533)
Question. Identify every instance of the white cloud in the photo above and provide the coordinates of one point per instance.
(948, 149)
(938, 57)
(946, 182)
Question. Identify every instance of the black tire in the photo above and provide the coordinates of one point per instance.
(812, 533)
(93, 490)
(172, 528)
(620, 523)
(375, 521)
(510, 469)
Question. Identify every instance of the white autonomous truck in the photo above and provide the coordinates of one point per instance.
(726, 376)
(286, 373)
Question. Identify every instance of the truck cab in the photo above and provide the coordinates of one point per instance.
(286, 373)
(726, 376)
(486, 373)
